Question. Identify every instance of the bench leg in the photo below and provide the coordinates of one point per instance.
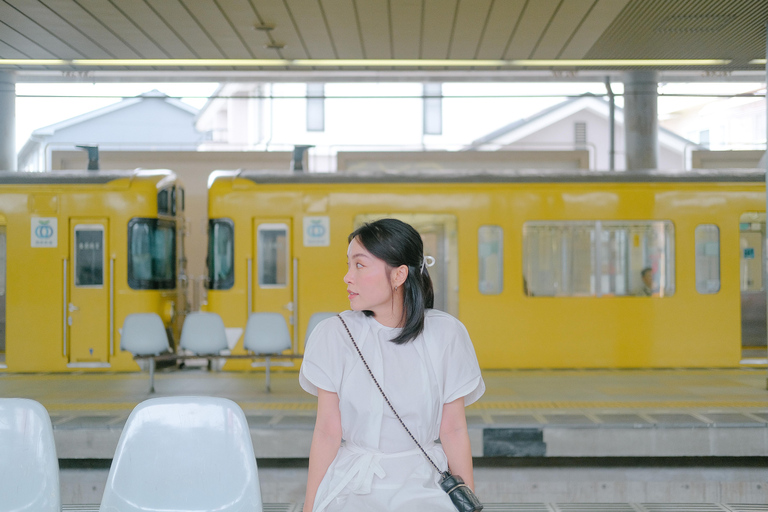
(151, 375)
(269, 389)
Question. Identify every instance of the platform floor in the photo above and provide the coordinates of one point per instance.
(545, 440)
(546, 413)
(545, 507)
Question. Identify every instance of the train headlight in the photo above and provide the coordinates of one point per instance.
(169, 312)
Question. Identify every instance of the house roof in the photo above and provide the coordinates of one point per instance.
(551, 115)
(125, 103)
(47, 133)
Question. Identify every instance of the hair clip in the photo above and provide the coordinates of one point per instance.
(428, 261)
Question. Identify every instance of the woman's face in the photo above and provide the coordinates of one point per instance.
(369, 285)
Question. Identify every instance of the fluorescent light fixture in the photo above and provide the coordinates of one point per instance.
(758, 61)
(620, 62)
(368, 63)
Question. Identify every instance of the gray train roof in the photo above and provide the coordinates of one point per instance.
(71, 177)
(501, 176)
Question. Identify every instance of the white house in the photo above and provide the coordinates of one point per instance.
(410, 117)
(582, 123)
(149, 122)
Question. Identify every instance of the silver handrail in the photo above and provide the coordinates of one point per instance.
(64, 308)
(295, 312)
(250, 288)
(112, 306)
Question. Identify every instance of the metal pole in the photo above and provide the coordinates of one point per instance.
(612, 128)
(641, 120)
(7, 121)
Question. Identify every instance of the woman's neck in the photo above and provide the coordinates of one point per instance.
(391, 317)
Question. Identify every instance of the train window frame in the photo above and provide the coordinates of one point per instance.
(752, 274)
(490, 242)
(153, 282)
(173, 200)
(261, 254)
(164, 201)
(593, 258)
(707, 259)
(81, 229)
(3, 259)
(227, 280)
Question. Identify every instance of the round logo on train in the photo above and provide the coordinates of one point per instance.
(44, 230)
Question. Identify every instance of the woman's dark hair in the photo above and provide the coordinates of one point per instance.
(397, 243)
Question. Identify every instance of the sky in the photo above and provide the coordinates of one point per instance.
(40, 105)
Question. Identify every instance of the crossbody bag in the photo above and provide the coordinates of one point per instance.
(461, 495)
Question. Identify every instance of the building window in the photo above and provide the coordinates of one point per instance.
(598, 258)
(580, 134)
(315, 107)
(704, 138)
(433, 109)
(490, 245)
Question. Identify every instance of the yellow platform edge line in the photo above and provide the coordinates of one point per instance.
(548, 405)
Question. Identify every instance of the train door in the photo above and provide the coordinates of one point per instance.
(2, 293)
(439, 234)
(272, 280)
(88, 297)
(752, 273)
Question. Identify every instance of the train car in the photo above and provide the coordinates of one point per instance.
(78, 252)
(561, 269)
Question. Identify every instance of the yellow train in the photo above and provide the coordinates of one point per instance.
(547, 269)
(78, 252)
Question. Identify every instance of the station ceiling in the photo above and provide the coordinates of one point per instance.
(345, 40)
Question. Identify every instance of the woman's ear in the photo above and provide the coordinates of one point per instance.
(399, 275)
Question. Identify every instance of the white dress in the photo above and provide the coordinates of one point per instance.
(378, 466)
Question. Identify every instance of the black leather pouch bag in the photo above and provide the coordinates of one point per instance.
(461, 495)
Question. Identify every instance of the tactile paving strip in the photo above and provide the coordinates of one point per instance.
(543, 507)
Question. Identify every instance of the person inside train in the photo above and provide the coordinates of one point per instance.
(646, 275)
(362, 457)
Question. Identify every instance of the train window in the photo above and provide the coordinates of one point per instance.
(272, 243)
(490, 246)
(152, 254)
(2, 262)
(163, 201)
(2, 287)
(751, 248)
(89, 255)
(221, 254)
(707, 258)
(598, 258)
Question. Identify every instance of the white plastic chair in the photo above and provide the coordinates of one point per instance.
(143, 334)
(29, 468)
(266, 334)
(315, 319)
(184, 454)
(203, 333)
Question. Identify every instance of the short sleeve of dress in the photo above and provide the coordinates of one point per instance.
(461, 371)
(322, 363)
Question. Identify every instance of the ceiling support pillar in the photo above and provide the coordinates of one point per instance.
(7, 121)
(641, 120)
